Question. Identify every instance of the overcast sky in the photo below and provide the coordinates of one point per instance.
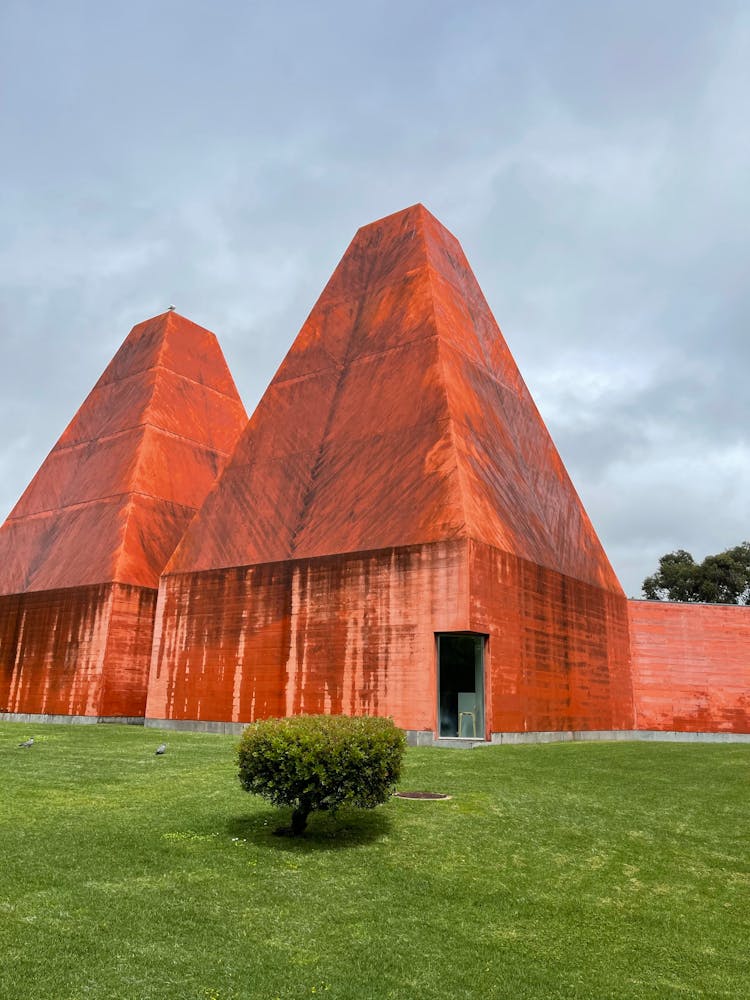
(593, 158)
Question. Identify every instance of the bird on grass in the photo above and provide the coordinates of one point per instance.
(27, 743)
(161, 749)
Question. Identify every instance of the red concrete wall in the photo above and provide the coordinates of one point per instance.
(82, 551)
(352, 634)
(691, 666)
(127, 658)
(76, 651)
(558, 651)
(52, 645)
(356, 633)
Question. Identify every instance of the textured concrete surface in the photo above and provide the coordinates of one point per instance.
(76, 651)
(558, 650)
(71, 720)
(82, 550)
(115, 494)
(350, 633)
(691, 666)
(617, 735)
(198, 726)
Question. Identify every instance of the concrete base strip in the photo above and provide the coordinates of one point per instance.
(189, 726)
(71, 720)
(629, 735)
(414, 737)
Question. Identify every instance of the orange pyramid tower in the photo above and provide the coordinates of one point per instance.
(82, 551)
(395, 531)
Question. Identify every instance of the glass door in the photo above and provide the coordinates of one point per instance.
(460, 685)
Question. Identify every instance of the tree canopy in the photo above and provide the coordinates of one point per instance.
(720, 579)
(321, 762)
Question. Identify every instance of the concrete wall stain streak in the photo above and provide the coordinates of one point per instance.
(51, 650)
(127, 656)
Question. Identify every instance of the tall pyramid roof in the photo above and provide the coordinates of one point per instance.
(117, 491)
(398, 417)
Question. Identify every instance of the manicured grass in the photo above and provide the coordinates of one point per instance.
(560, 871)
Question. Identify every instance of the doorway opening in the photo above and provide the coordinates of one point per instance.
(460, 685)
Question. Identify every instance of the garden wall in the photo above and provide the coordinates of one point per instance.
(691, 666)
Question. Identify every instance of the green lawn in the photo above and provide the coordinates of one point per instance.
(559, 871)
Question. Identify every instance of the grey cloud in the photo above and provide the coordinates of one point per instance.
(591, 158)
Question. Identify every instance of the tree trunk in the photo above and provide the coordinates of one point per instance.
(299, 819)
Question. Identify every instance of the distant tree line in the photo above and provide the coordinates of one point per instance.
(720, 579)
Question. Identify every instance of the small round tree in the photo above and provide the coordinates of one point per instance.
(317, 762)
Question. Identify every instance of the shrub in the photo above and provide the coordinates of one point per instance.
(312, 762)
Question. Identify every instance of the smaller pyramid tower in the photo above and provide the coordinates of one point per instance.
(82, 550)
(395, 484)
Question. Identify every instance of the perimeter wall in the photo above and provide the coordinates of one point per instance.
(690, 666)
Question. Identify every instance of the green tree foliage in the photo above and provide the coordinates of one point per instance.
(720, 579)
(312, 762)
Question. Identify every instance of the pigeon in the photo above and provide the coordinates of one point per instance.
(27, 743)
(161, 749)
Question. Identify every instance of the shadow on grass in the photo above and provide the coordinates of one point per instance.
(326, 832)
